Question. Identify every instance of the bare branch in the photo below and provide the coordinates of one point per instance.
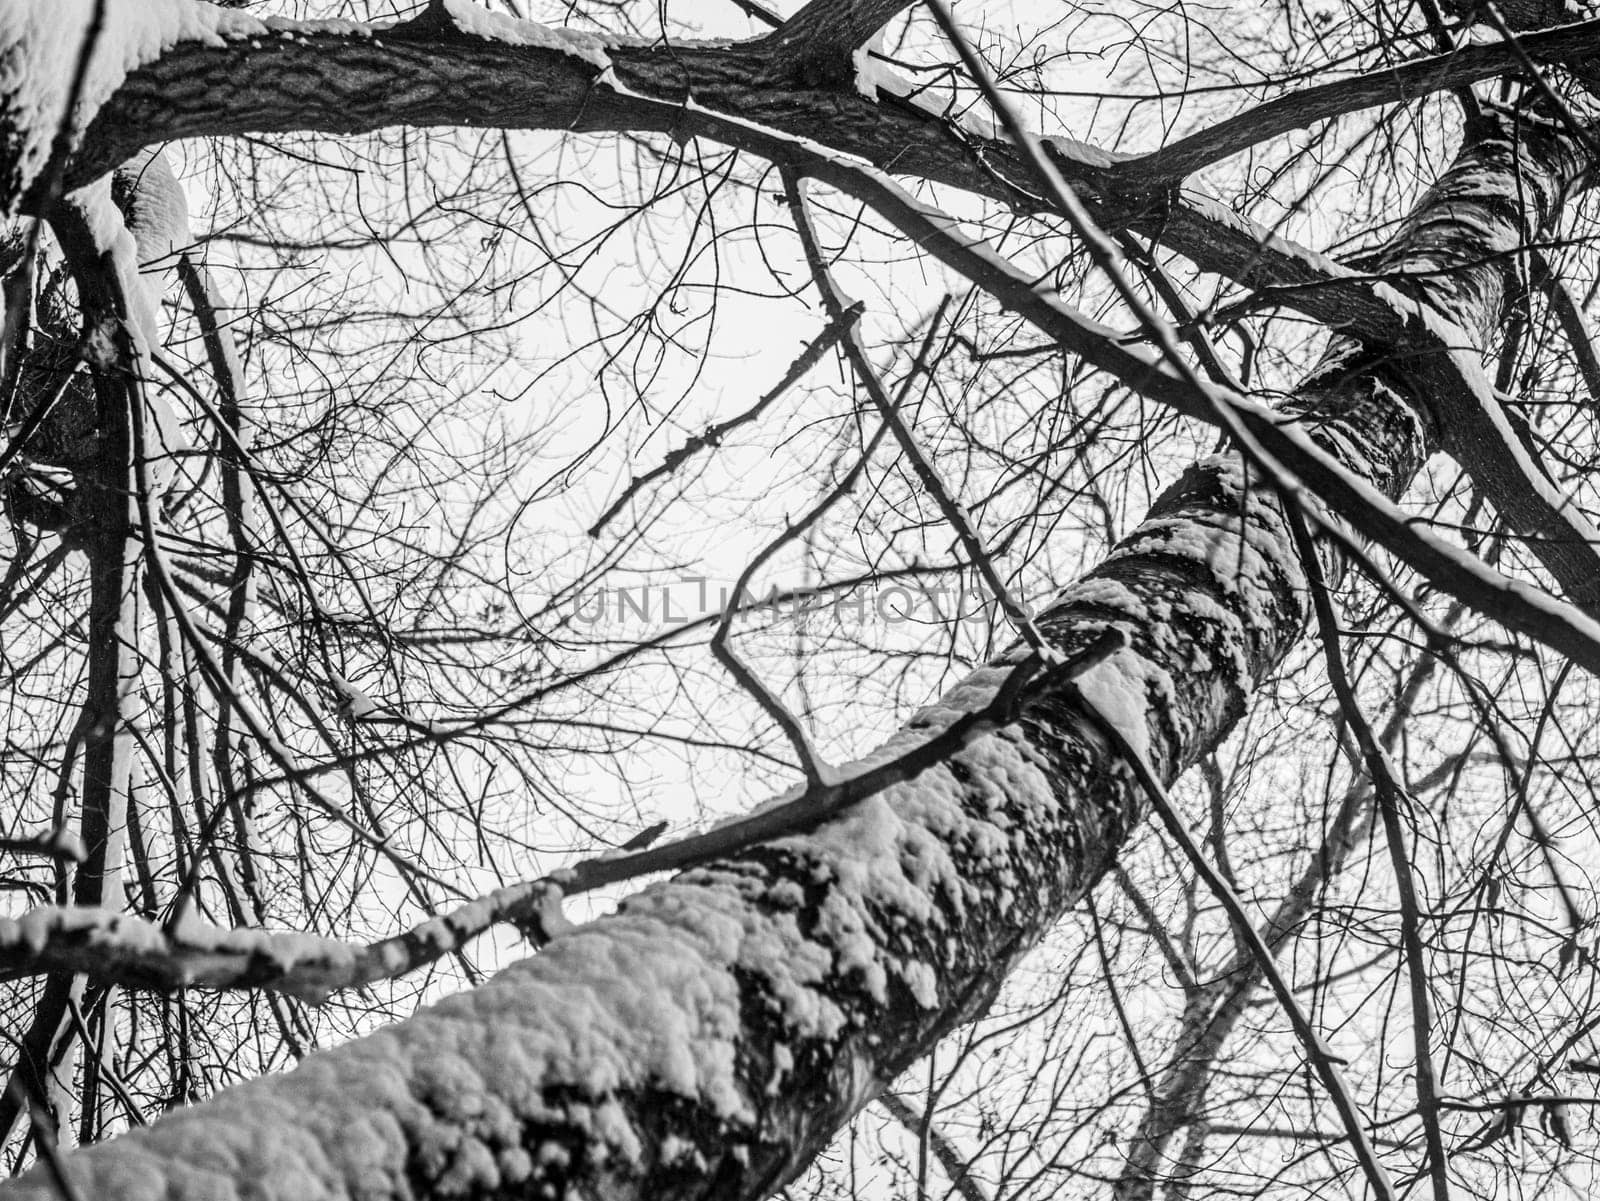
(925, 1128)
(953, 512)
(1386, 85)
(717, 431)
(308, 76)
(1318, 1052)
(130, 951)
(1570, 318)
(1390, 796)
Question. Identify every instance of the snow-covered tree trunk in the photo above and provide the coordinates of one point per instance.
(707, 1040)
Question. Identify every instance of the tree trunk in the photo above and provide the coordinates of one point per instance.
(707, 1039)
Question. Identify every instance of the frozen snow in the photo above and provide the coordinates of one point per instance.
(41, 42)
(353, 702)
(1116, 688)
(481, 22)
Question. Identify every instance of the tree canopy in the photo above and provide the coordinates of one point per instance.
(857, 598)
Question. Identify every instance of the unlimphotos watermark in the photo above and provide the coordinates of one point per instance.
(698, 598)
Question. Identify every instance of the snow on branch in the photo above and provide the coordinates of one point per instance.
(1290, 458)
(230, 74)
(823, 42)
(135, 952)
(62, 63)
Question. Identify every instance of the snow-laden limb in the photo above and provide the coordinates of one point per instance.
(179, 67)
(474, 20)
(665, 1047)
(1477, 432)
(120, 948)
(43, 41)
(1444, 375)
(354, 703)
(707, 1037)
(710, 1034)
(465, 66)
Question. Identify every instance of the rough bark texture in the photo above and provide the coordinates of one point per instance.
(818, 44)
(706, 1040)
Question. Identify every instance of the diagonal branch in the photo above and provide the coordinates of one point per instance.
(1386, 85)
(714, 434)
(1390, 795)
(128, 950)
(1321, 1056)
(1570, 318)
(738, 1013)
(950, 1158)
(950, 508)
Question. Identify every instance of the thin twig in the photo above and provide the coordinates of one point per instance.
(952, 510)
(1570, 318)
(1389, 794)
(1323, 1060)
(130, 950)
(820, 775)
(950, 1159)
(716, 432)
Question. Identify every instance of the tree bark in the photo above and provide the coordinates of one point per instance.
(707, 1039)
(240, 75)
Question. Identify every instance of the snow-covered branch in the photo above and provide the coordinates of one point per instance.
(180, 68)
